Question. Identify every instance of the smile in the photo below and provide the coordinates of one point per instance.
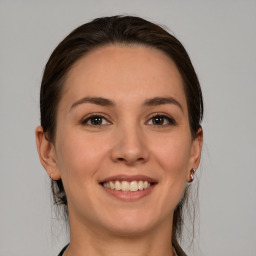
(127, 186)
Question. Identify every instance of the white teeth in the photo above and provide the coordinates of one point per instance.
(127, 186)
(145, 184)
(134, 186)
(118, 185)
(106, 185)
(112, 185)
(140, 185)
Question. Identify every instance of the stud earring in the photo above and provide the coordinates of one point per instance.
(192, 173)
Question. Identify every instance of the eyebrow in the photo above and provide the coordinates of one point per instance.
(161, 101)
(94, 100)
(156, 101)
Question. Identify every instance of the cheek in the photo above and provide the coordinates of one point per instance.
(79, 156)
(79, 160)
(173, 155)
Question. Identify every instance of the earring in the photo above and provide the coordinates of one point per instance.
(192, 173)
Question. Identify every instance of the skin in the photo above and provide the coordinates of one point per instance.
(128, 142)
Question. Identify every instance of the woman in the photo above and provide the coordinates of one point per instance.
(120, 136)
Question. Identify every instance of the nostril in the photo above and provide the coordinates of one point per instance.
(121, 159)
(129, 154)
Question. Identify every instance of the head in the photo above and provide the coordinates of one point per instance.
(84, 52)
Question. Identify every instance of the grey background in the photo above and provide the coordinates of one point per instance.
(220, 37)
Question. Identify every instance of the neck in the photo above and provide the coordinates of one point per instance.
(87, 240)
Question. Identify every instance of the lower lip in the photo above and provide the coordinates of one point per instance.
(129, 196)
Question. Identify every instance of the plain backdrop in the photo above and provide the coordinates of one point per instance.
(220, 37)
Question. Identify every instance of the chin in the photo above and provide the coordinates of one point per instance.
(130, 231)
(131, 224)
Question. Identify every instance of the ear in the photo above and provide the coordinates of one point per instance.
(196, 150)
(46, 152)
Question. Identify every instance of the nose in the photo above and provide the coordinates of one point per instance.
(130, 147)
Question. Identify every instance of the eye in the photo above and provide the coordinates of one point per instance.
(95, 120)
(161, 120)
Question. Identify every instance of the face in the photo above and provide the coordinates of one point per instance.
(123, 146)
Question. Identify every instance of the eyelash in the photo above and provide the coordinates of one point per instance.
(170, 120)
(95, 115)
(167, 118)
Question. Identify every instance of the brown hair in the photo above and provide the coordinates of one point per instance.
(125, 30)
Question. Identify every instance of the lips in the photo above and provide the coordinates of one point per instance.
(128, 187)
(129, 178)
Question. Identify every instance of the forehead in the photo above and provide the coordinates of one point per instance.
(118, 71)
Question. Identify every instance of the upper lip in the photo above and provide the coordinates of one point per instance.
(124, 177)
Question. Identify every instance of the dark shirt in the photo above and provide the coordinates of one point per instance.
(63, 250)
(179, 251)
